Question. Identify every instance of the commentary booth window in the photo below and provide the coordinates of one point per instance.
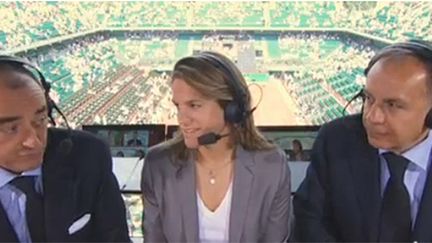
(129, 144)
(296, 142)
(129, 140)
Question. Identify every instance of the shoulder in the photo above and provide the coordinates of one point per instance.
(79, 138)
(342, 128)
(160, 155)
(271, 162)
(271, 156)
(161, 150)
(271, 169)
(78, 147)
(350, 122)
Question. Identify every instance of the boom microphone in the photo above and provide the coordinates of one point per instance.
(65, 146)
(360, 94)
(210, 138)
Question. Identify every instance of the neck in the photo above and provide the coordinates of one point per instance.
(421, 138)
(217, 153)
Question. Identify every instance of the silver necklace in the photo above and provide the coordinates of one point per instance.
(212, 172)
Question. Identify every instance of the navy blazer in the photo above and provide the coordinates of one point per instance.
(75, 183)
(340, 198)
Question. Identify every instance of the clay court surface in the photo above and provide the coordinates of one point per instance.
(276, 108)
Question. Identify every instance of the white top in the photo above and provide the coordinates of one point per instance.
(214, 226)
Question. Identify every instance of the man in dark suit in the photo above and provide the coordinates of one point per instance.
(369, 177)
(55, 184)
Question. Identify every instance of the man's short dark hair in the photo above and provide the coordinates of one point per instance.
(421, 50)
(18, 82)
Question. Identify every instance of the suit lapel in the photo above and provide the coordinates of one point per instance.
(186, 189)
(7, 233)
(242, 183)
(59, 194)
(422, 230)
(365, 169)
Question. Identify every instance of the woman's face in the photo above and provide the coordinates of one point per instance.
(196, 114)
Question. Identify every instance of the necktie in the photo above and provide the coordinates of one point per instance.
(395, 225)
(34, 207)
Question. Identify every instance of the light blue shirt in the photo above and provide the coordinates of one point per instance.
(14, 201)
(415, 175)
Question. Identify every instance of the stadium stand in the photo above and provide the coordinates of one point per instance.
(109, 62)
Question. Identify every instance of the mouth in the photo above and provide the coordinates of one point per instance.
(33, 154)
(376, 134)
(190, 132)
(375, 131)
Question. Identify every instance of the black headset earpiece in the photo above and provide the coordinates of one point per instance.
(235, 111)
(419, 49)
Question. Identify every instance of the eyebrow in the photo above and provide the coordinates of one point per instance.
(389, 100)
(41, 110)
(189, 101)
(386, 100)
(4, 120)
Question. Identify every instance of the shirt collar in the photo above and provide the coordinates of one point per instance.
(419, 154)
(7, 176)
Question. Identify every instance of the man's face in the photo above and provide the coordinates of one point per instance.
(23, 124)
(397, 101)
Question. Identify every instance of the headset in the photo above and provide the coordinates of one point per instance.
(236, 111)
(66, 144)
(418, 49)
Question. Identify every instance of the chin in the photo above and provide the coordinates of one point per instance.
(25, 166)
(191, 143)
(380, 143)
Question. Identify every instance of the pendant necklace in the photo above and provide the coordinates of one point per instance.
(212, 172)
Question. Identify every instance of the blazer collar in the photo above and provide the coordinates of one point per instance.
(242, 184)
(186, 193)
(60, 187)
(365, 170)
(422, 230)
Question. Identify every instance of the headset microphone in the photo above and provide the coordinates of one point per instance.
(66, 145)
(210, 138)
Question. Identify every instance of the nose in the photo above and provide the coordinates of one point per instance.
(31, 138)
(183, 117)
(374, 114)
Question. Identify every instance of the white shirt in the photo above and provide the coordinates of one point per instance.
(214, 226)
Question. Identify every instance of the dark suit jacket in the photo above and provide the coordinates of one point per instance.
(77, 183)
(339, 200)
(260, 203)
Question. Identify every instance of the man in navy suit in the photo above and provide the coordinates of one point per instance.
(55, 184)
(369, 177)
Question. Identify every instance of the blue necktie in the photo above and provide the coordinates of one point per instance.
(34, 207)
